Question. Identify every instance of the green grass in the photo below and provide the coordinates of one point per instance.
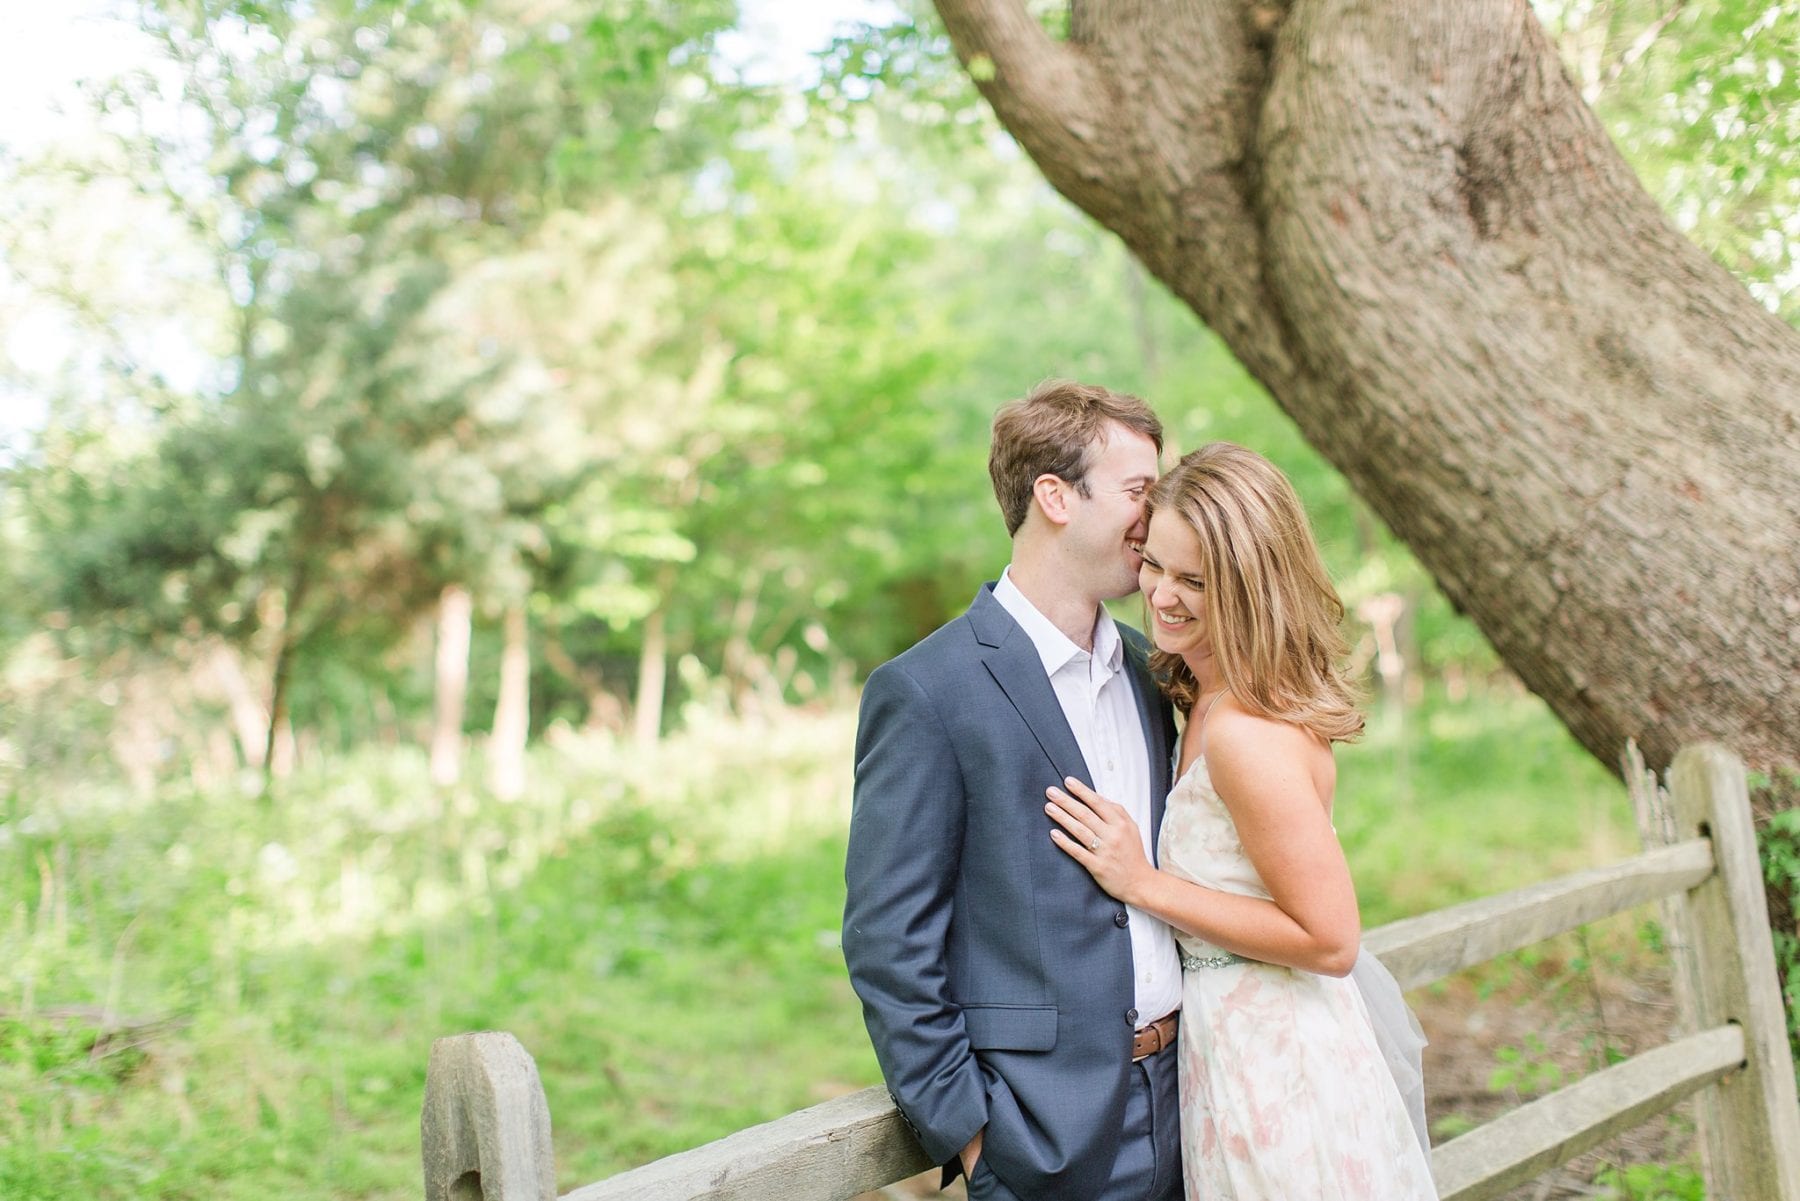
(659, 930)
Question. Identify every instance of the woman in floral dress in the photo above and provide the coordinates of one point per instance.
(1285, 1093)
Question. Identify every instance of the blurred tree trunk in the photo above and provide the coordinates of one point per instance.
(248, 719)
(281, 614)
(512, 711)
(134, 736)
(455, 610)
(653, 669)
(1407, 224)
(734, 660)
(653, 665)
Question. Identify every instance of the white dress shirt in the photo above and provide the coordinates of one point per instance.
(1097, 698)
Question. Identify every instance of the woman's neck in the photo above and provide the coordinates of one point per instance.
(1209, 681)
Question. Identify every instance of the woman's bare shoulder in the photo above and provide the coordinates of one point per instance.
(1246, 748)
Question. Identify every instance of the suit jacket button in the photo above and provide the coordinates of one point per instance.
(1121, 920)
(1131, 1016)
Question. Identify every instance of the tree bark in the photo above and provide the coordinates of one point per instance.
(512, 711)
(455, 613)
(1407, 224)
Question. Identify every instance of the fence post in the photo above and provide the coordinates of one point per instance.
(484, 1134)
(1752, 1143)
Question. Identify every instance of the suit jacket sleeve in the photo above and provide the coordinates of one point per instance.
(905, 847)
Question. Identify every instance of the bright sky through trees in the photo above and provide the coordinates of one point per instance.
(775, 39)
(49, 50)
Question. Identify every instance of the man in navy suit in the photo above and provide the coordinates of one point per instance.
(1023, 1019)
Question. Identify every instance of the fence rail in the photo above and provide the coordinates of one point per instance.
(486, 1128)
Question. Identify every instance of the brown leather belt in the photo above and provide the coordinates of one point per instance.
(1155, 1036)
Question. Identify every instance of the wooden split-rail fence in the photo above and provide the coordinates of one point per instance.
(486, 1125)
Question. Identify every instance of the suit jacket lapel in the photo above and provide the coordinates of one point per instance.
(1013, 662)
(1151, 713)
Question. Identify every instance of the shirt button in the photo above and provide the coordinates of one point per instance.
(1121, 919)
(1131, 1016)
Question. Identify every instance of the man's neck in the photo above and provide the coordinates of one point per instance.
(1048, 591)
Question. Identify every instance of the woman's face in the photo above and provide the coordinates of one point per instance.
(1174, 589)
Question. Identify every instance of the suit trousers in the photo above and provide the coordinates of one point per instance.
(1149, 1164)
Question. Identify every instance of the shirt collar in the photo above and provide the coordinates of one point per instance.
(1053, 646)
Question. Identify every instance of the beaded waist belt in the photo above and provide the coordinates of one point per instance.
(1192, 962)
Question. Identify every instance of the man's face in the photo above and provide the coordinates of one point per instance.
(1106, 527)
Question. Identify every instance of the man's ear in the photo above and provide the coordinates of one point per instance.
(1051, 495)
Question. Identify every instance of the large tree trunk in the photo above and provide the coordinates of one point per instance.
(1407, 224)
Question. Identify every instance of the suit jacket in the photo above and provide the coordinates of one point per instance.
(995, 975)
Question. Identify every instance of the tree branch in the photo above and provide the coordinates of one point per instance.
(1026, 74)
(1639, 47)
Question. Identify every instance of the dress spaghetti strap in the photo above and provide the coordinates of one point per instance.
(1200, 736)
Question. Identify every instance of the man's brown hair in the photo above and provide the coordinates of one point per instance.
(1052, 432)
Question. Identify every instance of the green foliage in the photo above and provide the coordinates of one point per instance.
(405, 397)
(1652, 1182)
(1704, 102)
(1778, 845)
(1525, 1070)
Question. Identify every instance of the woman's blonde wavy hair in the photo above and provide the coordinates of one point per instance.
(1274, 616)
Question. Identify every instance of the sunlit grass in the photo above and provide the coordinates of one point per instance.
(313, 948)
(659, 929)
